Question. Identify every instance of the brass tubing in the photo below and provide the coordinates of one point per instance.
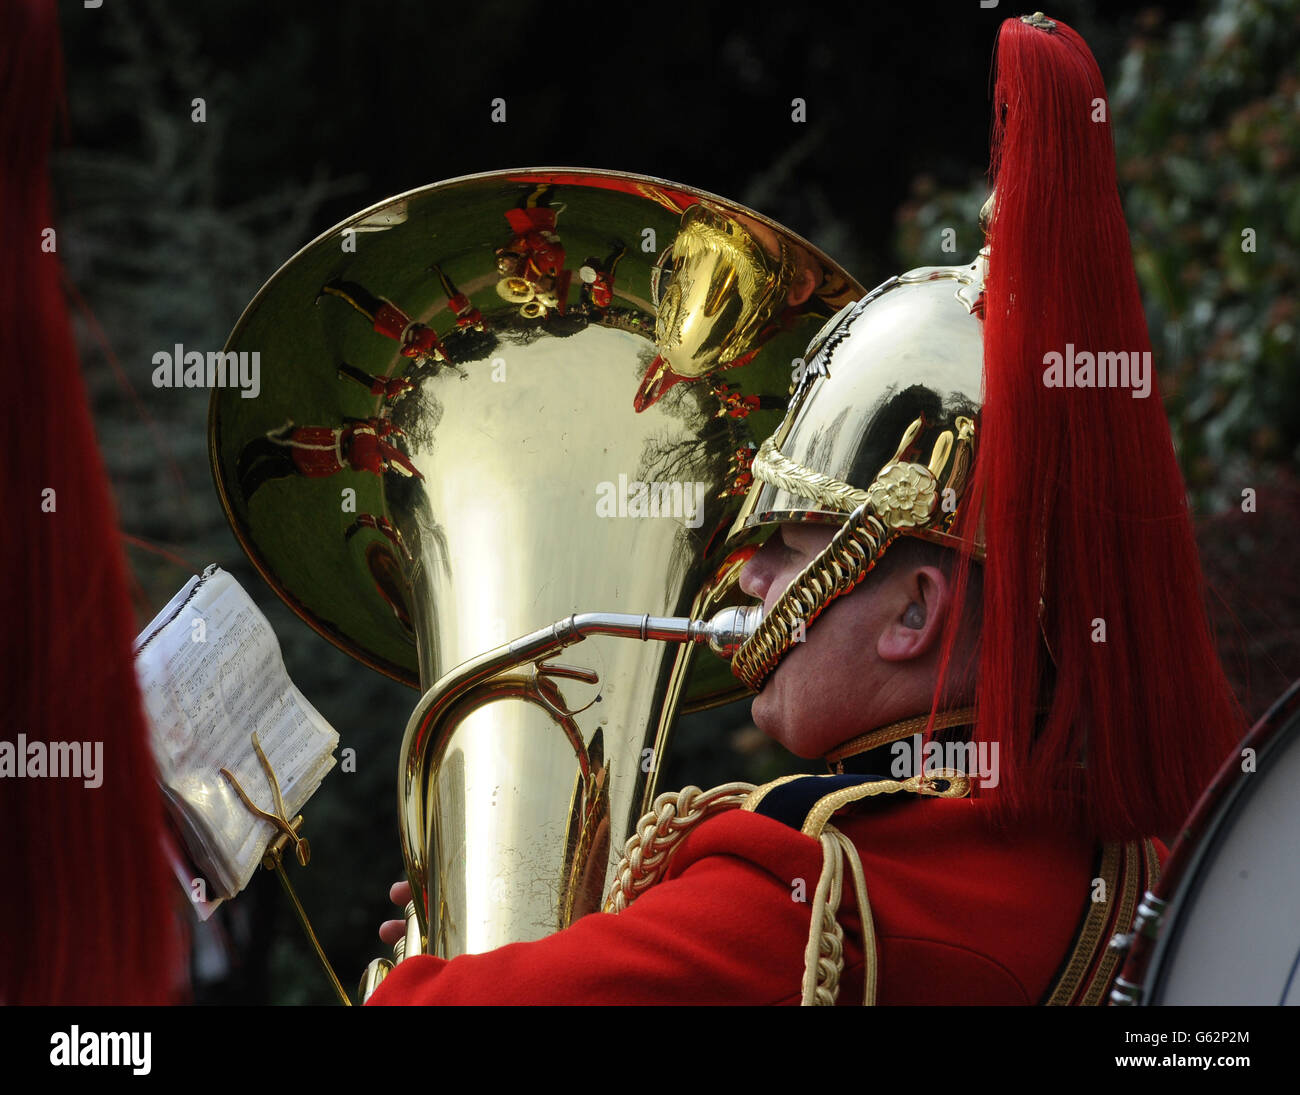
(424, 736)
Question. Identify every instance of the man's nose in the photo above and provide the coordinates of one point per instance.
(756, 577)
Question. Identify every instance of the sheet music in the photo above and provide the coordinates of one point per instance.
(211, 672)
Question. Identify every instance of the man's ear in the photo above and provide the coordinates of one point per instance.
(915, 623)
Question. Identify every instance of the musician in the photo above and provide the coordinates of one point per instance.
(535, 245)
(317, 452)
(597, 277)
(392, 388)
(415, 340)
(382, 525)
(959, 554)
(461, 306)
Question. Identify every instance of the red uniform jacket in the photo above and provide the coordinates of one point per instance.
(535, 239)
(602, 290)
(964, 914)
(318, 450)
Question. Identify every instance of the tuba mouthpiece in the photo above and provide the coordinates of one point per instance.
(727, 631)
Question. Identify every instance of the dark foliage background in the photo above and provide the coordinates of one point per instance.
(169, 227)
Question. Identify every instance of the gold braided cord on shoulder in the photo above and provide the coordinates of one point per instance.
(823, 957)
(956, 785)
(824, 954)
(659, 833)
(778, 470)
(870, 954)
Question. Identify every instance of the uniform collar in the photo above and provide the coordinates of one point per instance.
(895, 731)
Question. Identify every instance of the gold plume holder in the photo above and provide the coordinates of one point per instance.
(288, 832)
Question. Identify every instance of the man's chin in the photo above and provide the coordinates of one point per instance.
(768, 713)
(770, 716)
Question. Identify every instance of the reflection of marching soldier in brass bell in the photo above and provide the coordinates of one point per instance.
(384, 566)
(383, 526)
(532, 263)
(416, 340)
(316, 452)
(535, 247)
(466, 314)
(734, 404)
(390, 387)
(598, 279)
(740, 473)
(386, 573)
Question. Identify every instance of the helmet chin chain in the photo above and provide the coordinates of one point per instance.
(839, 567)
(903, 498)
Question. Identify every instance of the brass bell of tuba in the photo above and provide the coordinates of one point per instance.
(521, 404)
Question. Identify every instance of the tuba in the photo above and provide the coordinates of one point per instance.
(497, 416)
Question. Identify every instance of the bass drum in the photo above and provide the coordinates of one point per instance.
(1224, 924)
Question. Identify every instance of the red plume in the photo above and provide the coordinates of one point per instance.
(89, 911)
(1083, 501)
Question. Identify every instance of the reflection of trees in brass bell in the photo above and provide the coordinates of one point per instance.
(485, 348)
(420, 414)
(702, 437)
(715, 413)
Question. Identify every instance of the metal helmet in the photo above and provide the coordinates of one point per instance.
(879, 441)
